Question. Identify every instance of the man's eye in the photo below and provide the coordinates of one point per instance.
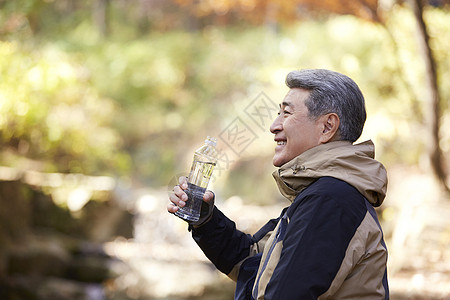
(284, 113)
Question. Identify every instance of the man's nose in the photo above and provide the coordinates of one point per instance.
(277, 125)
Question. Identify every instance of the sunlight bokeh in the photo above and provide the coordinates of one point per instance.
(100, 120)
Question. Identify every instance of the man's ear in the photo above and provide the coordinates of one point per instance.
(329, 125)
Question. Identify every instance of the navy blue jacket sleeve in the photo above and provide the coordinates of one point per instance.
(320, 228)
(221, 242)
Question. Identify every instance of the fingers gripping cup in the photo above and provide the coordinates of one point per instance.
(205, 159)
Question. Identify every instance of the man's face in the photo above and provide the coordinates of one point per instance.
(294, 131)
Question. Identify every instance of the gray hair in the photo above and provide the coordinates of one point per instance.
(332, 92)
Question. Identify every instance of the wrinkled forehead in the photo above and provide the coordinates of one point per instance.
(295, 98)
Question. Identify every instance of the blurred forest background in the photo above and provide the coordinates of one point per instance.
(103, 102)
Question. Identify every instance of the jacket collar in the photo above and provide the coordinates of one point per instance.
(354, 164)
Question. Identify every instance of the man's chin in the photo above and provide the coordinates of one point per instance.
(277, 162)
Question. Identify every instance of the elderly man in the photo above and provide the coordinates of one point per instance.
(328, 244)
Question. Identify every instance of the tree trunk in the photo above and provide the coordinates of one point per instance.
(100, 16)
(433, 111)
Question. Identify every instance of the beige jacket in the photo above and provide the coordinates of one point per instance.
(362, 271)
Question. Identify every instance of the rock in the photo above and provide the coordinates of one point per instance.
(46, 214)
(103, 221)
(37, 288)
(15, 218)
(94, 269)
(47, 252)
(39, 257)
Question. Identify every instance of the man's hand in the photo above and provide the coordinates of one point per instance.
(179, 197)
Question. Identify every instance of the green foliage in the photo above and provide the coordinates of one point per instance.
(50, 113)
(138, 103)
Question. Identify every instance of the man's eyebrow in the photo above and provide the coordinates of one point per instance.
(286, 103)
